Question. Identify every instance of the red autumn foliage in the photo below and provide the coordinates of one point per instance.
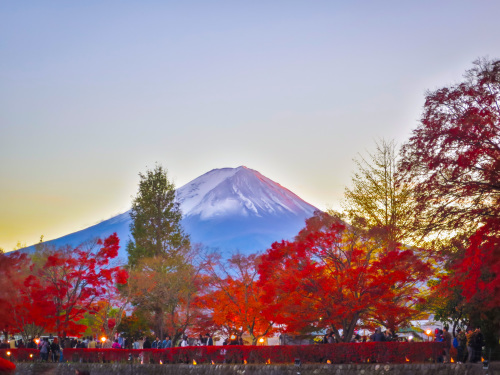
(452, 161)
(11, 281)
(62, 285)
(477, 273)
(332, 277)
(234, 298)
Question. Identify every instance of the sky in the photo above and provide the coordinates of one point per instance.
(94, 92)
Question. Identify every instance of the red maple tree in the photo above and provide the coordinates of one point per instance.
(66, 282)
(12, 276)
(234, 300)
(477, 273)
(332, 277)
(452, 160)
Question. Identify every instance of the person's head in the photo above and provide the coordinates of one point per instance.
(207, 334)
(446, 328)
(459, 330)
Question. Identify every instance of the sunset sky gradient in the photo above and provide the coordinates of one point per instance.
(94, 92)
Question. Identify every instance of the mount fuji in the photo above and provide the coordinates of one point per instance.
(227, 210)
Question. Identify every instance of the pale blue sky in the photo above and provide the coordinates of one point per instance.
(93, 92)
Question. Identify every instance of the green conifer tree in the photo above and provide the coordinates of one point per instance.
(156, 219)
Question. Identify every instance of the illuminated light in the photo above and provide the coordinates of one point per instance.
(103, 339)
(261, 340)
(37, 341)
(368, 360)
(428, 332)
(194, 362)
(410, 338)
(233, 337)
(329, 362)
(268, 361)
(482, 359)
(8, 353)
(213, 363)
(245, 361)
(161, 363)
(407, 360)
(452, 361)
(31, 355)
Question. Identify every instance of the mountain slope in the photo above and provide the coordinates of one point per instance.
(229, 209)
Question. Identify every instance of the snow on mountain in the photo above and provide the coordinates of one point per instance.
(238, 191)
(228, 209)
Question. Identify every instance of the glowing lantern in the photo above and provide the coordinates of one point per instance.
(8, 353)
(329, 362)
(37, 341)
(161, 363)
(452, 361)
(233, 337)
(482, 359)
(268, 361)
(261, 340)
(407, 360)
(213, 363)
(194, 362)
(103, 339)
(245, 361)
(31, 355)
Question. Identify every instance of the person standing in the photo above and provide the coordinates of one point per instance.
(462, 344)
(378, 336)
(184, 341)
(92, 343)
(447, 344)
(210, 341)
(44, 350)
(478, 344)
(116, 345)
(55, 349)
(167, 343)
(470, 345)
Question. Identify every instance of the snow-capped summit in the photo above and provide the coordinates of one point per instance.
(228, 209)
(238, 191)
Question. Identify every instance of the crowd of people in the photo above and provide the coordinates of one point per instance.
(51, 349)
(377, 336)
(468, 343)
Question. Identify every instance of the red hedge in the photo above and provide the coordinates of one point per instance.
(371, 352)
(20, 354)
